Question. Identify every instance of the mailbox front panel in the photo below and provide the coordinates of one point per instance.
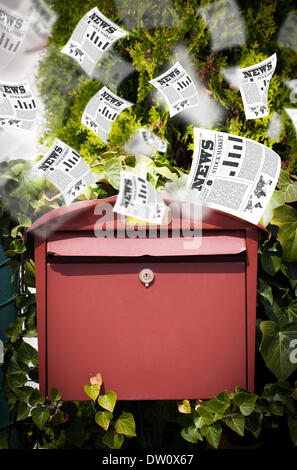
(183, 336)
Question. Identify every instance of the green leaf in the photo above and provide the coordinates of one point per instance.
(40, 416)
(59, 418)
(125, 424)
(184, 407)
(275, 347)
(270, 263)
(113, 440)
(253, 423)
(217, 407)
(15, 329)
(24, 393)
(36, 398)
(191, 434)
(55, 395)
(203, 417)
(103, 419)
(22, 411)
(108, 400)
(112, 172)
(245, 401)
(212, 434)
(236, 423)
(266, 292)
(292, 423)
(277, 409)
(27, 354)
(286, 218)
(277, 199)
(16, 379)
(92, 391)
(3, 441)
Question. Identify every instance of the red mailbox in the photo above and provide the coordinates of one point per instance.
(156, 320)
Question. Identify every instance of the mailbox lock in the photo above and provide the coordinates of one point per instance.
(146, 276)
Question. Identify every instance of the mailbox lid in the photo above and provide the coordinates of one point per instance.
(86, 244)
(182, 337)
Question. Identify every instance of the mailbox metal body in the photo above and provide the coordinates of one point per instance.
(189, 334)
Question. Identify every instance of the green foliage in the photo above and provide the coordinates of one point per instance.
(116, 429)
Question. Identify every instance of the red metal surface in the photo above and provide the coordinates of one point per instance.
(191, 334)
(86, 244)
(181, 337)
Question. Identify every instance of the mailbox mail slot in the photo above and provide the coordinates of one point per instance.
(184, 329)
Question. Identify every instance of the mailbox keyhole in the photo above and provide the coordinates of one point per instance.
(146, 276)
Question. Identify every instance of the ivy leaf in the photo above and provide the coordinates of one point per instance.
(270, 263)
(205, 417)
(277, 199)
(3, 441)
(113, 440)
(292, 423)
(125, 424)
(59, 418)
(92, 391)
(15, 329)
(245, 401)
(40, 416)
(275, 347)
(108, 400)
(22, 411)
(103, 419)
(24, 393)
(184, 407)
(253, 423)
(112, 172)
(27, 354)
(286, 219)
(16, 379)
(217, 407)
(236, 423)
(266, 292)
(212, 434)
(191, 434)
(55, 395)
(36, 398)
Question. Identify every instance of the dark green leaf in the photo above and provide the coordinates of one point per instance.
(113, 440)
(292, 423)
(40, 416)
(286, 219)
(23, 411)
(55, 395)
(275, 347)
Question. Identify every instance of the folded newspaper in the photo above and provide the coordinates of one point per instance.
(144, 142)
(13, 27)
(42, 19)
(17, 105)
(102, 109)
(254, 84)
(66, 169)
(178, 89)
(139, 199)
(92, 36)
(233, 174)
